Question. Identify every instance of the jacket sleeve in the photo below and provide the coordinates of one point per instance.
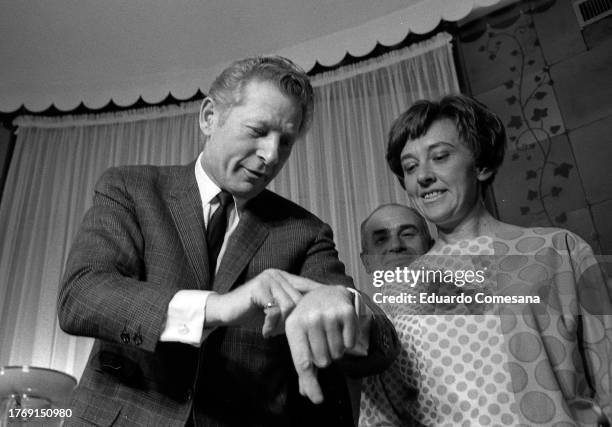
(103, 294)
(322, 264)
(594, 301)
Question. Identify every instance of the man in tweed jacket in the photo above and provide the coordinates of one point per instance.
(244, 338)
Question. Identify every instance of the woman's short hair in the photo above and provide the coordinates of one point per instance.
(228, 88)
(478, 127)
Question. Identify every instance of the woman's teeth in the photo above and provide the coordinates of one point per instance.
(432, 195)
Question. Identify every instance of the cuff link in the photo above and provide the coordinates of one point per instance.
(184, 329)
(270, 304)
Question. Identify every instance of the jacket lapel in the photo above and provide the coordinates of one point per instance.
(186, 209)
(241, 248)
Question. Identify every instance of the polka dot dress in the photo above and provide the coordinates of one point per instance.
(508, 365)
(461, 371)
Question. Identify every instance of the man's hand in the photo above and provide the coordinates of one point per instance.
(275, 291)
(320, 329)
(319, 320)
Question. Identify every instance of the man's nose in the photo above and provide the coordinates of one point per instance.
(268, 148)
(396, 244)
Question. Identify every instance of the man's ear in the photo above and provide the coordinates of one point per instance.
(207, 116)
(484, 173)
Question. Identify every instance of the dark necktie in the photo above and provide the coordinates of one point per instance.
(217, 226)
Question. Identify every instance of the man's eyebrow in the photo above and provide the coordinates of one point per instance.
(401, 227)
(268, 124)
(380, 231)
(255, 122)
(407, 226)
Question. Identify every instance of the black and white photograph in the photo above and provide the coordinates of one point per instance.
(309, 213)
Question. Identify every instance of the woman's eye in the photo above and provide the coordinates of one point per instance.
(440, 156)
(409, 168)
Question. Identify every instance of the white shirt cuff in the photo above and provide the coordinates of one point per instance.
(186, 317)
(364, 314)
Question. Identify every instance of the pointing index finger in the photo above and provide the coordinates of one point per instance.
(302, 361)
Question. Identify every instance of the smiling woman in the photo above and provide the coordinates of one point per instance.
(456, 139)
(523, 346)
(441, 173)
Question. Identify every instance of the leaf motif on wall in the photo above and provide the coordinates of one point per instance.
(555, 129)
(530, 62)
(524, 210)
(561, 218)
(555, 191)
(539, 114)
(492, 56)
(539, 95)
(531, 174)
(537, 78)
(532, 195)
(536, 43)
(562, 170)
(511, 100)
(509, 84)
(481, 48)
(514, 52)
(513, 68)
(515, 156)
(515, 122)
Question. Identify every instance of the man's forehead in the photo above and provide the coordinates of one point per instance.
(260, 98)
(388, 217)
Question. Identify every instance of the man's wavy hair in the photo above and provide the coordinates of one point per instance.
(479, 128)
(228, 88)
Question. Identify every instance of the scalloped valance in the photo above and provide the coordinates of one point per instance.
(96, 90)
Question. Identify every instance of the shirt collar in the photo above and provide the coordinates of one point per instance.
(208, 189)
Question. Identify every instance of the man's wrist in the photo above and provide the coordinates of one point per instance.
(214, 313)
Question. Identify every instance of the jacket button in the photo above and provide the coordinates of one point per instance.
(137, 339)
(189, 394)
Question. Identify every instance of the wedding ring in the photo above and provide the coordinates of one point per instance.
(270, 304)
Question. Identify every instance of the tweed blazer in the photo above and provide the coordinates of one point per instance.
(142, 241)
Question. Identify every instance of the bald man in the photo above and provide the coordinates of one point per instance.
(393, 235)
